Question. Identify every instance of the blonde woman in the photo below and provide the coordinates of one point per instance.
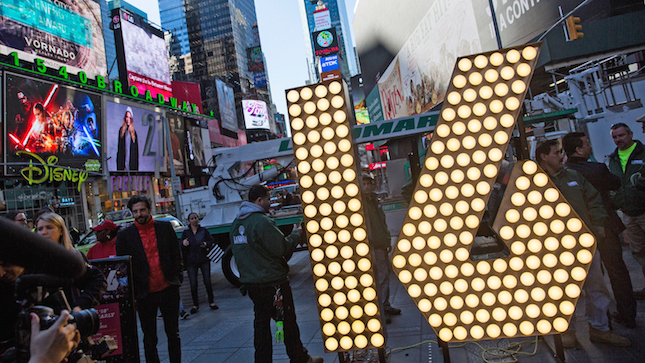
(87, 290)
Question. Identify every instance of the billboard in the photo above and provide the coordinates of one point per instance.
(133, 138)
(146, 58)
(187, 91)
(328, 76)
(177, 142)
(260, 79)
(328, 64)
(322, 19)
(196, 143)
(255, 114)
(358, 100)
(226, 102)
(325, 42)
(62, 32)
(58, 124)
(256, 60)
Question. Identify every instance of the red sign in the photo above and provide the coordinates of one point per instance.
(187, 91)
(144, 84)
(375, 166)
(110, 324)
(328, 76)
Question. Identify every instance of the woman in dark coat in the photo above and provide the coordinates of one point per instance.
(195, 243)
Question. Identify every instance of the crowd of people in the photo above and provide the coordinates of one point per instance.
(594, 190)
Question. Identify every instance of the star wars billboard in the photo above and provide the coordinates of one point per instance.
(47, 123)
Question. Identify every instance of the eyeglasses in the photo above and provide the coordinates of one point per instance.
(21, 220)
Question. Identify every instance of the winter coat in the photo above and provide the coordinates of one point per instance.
(604, 181)
(194, 254)
(377, 232)
(630, 198)
(582, 196)
(261, 250)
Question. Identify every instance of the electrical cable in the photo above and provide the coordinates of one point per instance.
(514, 348)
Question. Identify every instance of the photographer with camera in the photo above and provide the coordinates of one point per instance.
(54, 344)
(21, 249)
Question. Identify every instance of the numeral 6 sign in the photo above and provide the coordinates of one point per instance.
(535, 289)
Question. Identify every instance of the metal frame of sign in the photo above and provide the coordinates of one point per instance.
(118, 272)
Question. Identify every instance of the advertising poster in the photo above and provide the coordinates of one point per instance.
(187, 91)
(358, 100)
(328, 64)
(178, 142)
(226, 101)
(255, 114)
(374, 108)
(133, 138)
(109, 324)
(62, 32)
(196, 144)
(260, 79)
(57, 124)
(428, 56)
(391, 91)
(256, 60)
(146, 59)
(116, 311)
(322, 19)
(325, 42)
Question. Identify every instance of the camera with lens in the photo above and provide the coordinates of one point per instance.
(30, 291)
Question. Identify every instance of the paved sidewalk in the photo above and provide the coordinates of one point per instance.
(226, 335)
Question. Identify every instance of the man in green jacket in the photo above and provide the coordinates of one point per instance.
(627, 163)
(587, 203)
(261, 253)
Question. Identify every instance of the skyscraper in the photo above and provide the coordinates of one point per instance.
(339, 20)
(173, 21)
(224, 44)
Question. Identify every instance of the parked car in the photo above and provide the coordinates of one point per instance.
(89, 239)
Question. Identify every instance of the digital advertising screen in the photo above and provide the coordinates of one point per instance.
(146, 58)
(256, 60)
(178, 142)
(62, 32)
(256, 115)
(45, 120)
(325, 42)
(196, 144)
(133, 138)
(226, 101)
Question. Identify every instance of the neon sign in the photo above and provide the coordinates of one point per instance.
(44, 172)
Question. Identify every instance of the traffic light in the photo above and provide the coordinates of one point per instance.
(574, 28)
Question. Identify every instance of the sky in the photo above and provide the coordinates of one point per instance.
(282, 38)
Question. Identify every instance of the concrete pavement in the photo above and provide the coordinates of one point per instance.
(226, 335)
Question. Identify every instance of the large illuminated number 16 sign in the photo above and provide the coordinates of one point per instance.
(535, 289)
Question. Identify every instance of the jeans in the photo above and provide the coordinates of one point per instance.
(635, 234)
(262, 298)
(596, 296)
(611, 253)
(206, 275)
(166, 300)
(382, 268)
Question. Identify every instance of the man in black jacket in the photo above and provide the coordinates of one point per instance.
(379, 237)
(578, 150)
(627, 163)
(156, 275)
